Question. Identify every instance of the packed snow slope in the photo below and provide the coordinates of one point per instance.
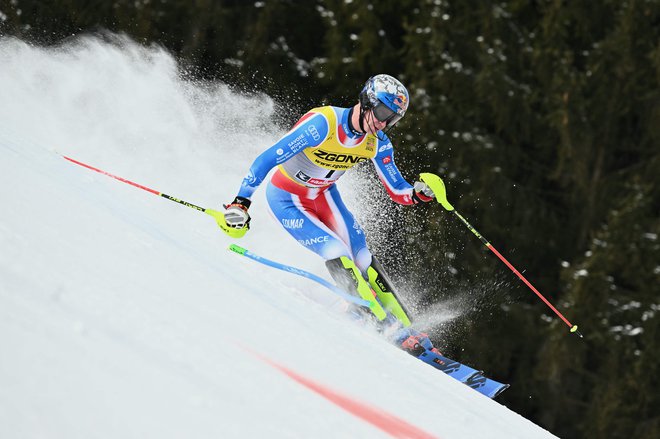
(122, 314)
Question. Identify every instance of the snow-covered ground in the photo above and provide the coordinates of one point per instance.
(122, 314)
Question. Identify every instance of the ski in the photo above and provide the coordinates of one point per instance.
(486, 386)
(453, 368)
(467, 375)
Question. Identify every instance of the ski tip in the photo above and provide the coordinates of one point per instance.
(499, 391)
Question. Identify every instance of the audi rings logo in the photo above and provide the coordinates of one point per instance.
(313, 132)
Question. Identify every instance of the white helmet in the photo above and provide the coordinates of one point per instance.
(386, 96)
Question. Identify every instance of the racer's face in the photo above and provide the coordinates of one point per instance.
(373, 124)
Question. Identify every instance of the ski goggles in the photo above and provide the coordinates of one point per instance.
(385, 114)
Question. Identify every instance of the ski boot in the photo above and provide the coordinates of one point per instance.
(414, 342)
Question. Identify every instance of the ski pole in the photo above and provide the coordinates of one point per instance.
(218, 216)
(438, 187)
(245, 252)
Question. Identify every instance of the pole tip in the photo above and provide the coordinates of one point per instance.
(575, 330)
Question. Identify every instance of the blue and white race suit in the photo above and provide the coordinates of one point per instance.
(302, 194)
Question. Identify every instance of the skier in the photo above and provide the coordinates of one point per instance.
(302, 194)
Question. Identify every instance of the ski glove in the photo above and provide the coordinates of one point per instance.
(422, 193)
(236, 213)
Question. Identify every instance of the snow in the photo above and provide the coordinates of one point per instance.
(122, 314)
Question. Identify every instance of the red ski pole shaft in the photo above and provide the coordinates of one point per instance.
(517, 273)
(218, 216)
(438, 188)
(100, 171)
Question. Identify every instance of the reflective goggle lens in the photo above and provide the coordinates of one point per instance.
(384, 114)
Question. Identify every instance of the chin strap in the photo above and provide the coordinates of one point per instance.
(363, 111)
(385, 131)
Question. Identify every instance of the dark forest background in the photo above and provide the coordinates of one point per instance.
(542, 117)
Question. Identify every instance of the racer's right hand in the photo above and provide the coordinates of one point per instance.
(236, 213)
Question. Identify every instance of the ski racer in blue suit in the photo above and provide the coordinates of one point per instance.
(303, 196)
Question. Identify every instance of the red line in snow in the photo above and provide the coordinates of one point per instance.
(380, 419)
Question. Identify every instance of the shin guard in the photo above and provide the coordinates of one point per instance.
(382, 285)
(348, 277)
